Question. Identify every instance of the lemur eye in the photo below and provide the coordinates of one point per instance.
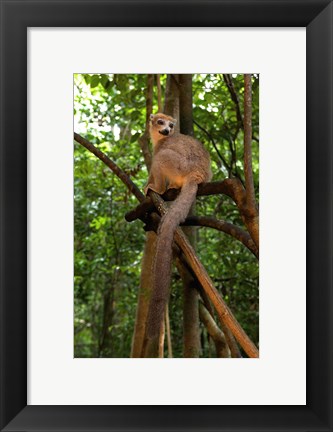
(160, 122)
(171, 125)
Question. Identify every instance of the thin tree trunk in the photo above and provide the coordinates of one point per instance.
(185, 104)
(171, 100)
(191, 329)
(104, 349)
(146, 280)
(144, 139)
(159, 93)
(249, 185)
(191, 325)
(253, 217)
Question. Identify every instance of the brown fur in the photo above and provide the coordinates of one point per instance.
(179, 161)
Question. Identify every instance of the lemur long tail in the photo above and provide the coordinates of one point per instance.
(163, 259)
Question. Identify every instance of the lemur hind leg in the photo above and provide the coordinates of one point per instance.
(156, 181)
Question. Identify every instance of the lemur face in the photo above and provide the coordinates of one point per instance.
(163, 124)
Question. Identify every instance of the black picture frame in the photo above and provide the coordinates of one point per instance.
(16, 17)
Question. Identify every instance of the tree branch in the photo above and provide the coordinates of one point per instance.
(226, 227)
(113, 167)
(206, 221)
(234, 96)
(225, 187)
(225, 163)
(230, 85)
(232, 344)
(221, 346)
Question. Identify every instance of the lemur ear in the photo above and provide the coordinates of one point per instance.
(174, 121)
(152, 116)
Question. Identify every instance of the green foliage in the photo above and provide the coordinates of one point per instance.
(110, 112)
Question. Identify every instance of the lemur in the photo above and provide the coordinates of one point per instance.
(179, 161)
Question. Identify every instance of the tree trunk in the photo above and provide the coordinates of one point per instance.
(191, 329)
(185, 104)
(104, 348)
(171, 100)
(252, 216)
(190, 306)
(145, 290)
(144, 139)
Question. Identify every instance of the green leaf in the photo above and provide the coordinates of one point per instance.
(94, 81)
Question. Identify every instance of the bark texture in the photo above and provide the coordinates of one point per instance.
(191, 327)
(146, 280)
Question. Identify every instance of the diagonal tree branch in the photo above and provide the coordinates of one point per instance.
(234, 96)
(132, 187)
(221, 346)
(226, 227)
(223, 159)
(230, 85)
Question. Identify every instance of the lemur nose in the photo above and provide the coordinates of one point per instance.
(165, 131)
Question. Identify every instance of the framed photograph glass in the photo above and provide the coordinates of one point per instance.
(52, 378)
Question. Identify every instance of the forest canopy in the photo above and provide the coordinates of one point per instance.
(110, 111)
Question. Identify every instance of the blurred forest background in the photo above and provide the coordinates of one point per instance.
(110, 112)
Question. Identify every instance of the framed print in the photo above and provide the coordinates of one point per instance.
(42, 386)
(90, 358)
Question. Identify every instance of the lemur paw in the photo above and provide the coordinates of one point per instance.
(146, 188)
(160, 191)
